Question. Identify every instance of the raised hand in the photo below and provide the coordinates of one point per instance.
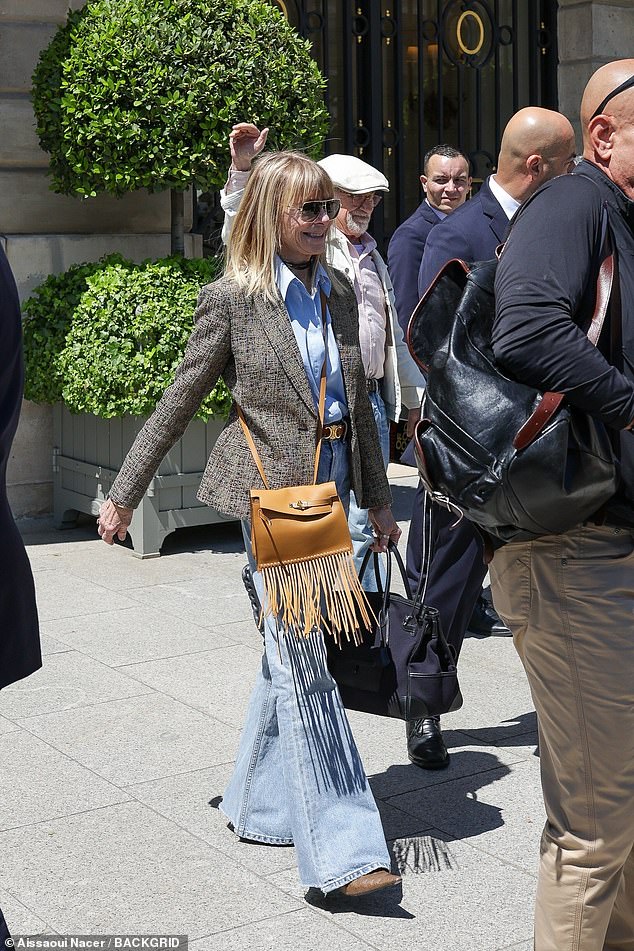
(245, 142)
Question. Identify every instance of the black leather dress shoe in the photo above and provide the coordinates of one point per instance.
(486, 622)
(425, 745)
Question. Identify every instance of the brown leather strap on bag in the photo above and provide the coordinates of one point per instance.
(320, 409)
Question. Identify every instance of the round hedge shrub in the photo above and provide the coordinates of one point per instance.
(106, 338)
(47, 318)
(143, 93)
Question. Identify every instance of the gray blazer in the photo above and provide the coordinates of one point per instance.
(249, 341)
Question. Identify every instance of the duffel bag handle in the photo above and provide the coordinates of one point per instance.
(392, 551)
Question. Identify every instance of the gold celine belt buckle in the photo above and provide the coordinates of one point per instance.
(334, 431)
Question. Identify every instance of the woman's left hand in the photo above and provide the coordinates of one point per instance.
(385, 527)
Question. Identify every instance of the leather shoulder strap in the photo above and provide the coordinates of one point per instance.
(251, 445)
(322, 387)
(604, 280)
(550, 402)
(321, 409)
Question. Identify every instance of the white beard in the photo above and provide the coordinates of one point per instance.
(354, 228)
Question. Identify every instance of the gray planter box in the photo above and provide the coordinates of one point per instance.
(88, 454)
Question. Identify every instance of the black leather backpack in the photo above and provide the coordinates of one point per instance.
(516, 462)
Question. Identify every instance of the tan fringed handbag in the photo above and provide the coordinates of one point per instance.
(302, 547)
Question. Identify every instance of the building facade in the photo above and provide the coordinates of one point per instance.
(403, 75)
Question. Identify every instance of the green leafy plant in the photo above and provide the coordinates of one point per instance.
(143, 93)
(48, 315)
(106, 337)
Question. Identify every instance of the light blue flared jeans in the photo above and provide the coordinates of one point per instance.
(298, 777)
(361, 531)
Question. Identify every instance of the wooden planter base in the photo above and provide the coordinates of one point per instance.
(88, 454)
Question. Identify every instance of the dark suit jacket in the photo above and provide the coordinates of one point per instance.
(404, 254)
(472, 233)
(19, 631)
(249, 341)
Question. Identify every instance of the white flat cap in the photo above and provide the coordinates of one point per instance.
(352, 175)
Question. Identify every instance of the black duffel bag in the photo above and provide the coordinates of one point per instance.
(404, 666)
(517, 462)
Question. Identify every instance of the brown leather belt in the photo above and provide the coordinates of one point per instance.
(335, 430)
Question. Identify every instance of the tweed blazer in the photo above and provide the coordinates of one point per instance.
(249, 341)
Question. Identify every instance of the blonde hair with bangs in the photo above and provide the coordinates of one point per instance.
(278, 181)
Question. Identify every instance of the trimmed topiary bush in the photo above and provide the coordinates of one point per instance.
(47, 318)
(106, 338)
(143, 93)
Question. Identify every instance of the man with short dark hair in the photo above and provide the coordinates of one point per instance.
(569, 598)
(446, 182)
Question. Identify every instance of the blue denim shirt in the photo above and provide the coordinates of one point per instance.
(304, 310)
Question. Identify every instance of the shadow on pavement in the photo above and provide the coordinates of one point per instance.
(455, 793)
(383, 904)
(224, 537)
(518, 731)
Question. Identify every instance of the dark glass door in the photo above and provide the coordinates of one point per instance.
(406, 75)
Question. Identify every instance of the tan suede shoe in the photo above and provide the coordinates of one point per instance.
(372, 882)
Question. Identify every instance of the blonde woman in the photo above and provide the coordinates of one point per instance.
(298, 777)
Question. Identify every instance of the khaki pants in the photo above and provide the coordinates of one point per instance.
(569, 600)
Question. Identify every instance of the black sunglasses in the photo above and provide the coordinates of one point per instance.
(626, 85)
(312, 210)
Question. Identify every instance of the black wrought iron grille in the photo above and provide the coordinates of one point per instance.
(405, 75)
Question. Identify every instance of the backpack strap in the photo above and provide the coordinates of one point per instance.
(550, 402)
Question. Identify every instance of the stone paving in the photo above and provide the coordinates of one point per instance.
(113, 758)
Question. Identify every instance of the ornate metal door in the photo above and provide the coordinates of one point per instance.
(405, 75)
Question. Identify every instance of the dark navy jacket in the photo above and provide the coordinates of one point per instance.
(19, 633)
(545, 291)
(471, 232)
(404, 254)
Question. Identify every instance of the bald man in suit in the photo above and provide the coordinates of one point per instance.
(537, 145)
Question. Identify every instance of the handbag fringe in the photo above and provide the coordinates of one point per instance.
(319, 593)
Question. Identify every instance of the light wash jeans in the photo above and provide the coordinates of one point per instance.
(358, 522)
(298, 777)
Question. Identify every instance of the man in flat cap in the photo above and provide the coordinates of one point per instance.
(393, 380)
(392, 377)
